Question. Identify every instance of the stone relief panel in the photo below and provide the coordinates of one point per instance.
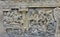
(29, 18)
(42, 21)
(36, 22)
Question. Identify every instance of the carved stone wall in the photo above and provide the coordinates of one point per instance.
(29, 18)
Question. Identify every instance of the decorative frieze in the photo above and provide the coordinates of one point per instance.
(33, 21)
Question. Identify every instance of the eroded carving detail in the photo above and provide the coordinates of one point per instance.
(34, 22)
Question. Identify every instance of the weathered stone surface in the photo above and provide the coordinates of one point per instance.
(29, 18)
